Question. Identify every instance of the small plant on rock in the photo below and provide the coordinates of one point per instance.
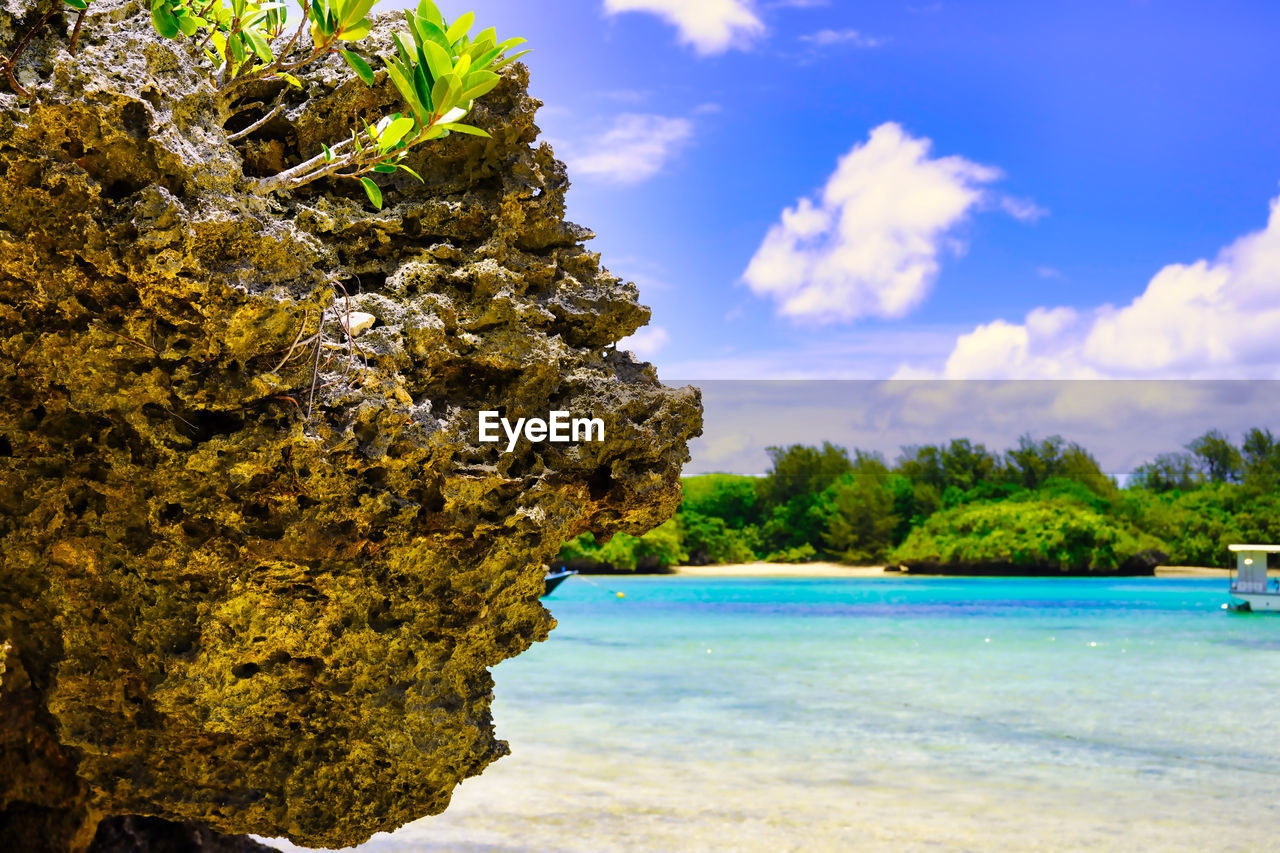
(438, 69)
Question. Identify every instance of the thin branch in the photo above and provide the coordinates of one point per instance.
(12, 60)
(319, 166)
(305, 317)
(315, 369)
(75, 34)
(278, 66)
(132, 341)
(275, 111)
(288, 399)
(312, 170)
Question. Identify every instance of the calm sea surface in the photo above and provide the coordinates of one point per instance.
(896, 714)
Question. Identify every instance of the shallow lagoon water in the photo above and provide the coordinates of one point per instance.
(903, 713)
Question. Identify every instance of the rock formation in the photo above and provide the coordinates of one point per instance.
(239, 589)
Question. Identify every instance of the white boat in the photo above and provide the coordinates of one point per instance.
(1251, 590)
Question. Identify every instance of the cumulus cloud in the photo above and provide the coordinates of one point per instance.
(852, 38)
(634, 150)
(1215, 318)
(709, 26)
(647, 342)
(869, 243)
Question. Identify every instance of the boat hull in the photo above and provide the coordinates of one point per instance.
(554, 579)
(1257, 602)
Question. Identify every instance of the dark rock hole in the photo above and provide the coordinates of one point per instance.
(121, 188)
(209, 425)
(600, 482)
(136, 119)
(246, 670)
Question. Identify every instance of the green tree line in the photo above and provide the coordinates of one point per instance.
(1044, 503)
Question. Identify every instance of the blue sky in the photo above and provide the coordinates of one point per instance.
(924, 189)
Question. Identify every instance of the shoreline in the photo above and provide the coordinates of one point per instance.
(835, 570)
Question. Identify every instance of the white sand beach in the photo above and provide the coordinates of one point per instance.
(782, 570)
(835, 570)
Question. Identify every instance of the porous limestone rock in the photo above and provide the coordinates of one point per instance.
(233, 593)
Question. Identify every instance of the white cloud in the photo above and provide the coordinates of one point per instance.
(635, 149)
(853, 38)
(647, 342)
(869, 244)
(1209, 319)
(709, 26)
(1022, 209)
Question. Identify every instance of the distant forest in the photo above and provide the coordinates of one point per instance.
(1044, 504)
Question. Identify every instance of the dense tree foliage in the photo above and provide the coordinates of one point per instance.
(1044, 503)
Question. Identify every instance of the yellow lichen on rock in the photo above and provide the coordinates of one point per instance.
(232, 612)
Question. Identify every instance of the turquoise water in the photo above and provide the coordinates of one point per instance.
(815, 714)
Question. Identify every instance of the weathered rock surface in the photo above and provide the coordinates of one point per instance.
(218, 609)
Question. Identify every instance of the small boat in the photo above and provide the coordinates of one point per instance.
(555, 578)
(1251, 590)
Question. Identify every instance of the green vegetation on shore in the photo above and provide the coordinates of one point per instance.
(1044, 505)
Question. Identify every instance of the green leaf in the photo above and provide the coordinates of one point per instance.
(219, 44)
(478, 84)
(467, 129)
(188, 25)
(259, 44)
(328, 153)
(77, 4)
(422, 87)
(394, 132)
(428, 10)
(485, 58)
(385, 168)
(358, 65)
(402, 167)
(430, 32)
(460, 27)
(438, 60)
(485, 40)
(361, 9)
(290, 79)
(164, 22)
(403, 40)
(445, 95)
(395, 70)
(357, 31)
(510, 59)
(252, 20)
(371, 189)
